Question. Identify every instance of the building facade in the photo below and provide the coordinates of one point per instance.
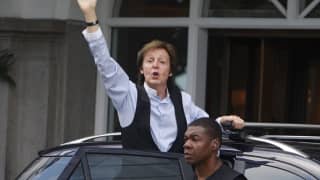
(257, 59)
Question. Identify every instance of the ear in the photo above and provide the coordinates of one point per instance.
(214, 144)
(170, 74)
(141, 71)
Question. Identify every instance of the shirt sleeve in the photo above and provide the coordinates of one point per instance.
(192, 111)
(119, 88)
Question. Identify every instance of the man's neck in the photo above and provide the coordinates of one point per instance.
(160, 89)
(207, 168)
(162, 92)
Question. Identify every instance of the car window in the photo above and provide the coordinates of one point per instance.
(45, 168)
(128, 167)
(77, 174)
(264, 172)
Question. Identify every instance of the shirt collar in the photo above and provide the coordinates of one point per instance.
(153, 92)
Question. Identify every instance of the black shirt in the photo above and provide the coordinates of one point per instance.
(226, 173)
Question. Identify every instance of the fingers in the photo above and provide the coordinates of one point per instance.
(237, 122)
(87, 6)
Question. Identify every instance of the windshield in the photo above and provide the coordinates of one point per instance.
(45, 168)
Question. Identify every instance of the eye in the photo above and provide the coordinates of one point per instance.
(162, 60)
(149, 60)
(195, 138)
(185, 139)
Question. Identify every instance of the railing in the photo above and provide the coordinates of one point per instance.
(282, 126)
(90, 138)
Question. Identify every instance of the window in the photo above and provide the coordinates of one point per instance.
(126, 167)
(46, 168)
(188, 25)
(152, 8)
(77, 174)
(242, 8)
(264, 79)
(315, 12)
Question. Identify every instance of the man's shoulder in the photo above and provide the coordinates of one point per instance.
(227, 173)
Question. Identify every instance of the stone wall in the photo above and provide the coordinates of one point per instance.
(54, 97)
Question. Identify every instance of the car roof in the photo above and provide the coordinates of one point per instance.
(239, 150)
(229, 145)
(305, 146)
(270, 148)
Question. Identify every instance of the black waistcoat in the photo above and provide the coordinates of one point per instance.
(138, 134)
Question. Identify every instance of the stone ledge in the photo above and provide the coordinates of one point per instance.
(36, 25)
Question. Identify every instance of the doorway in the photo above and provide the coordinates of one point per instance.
(264, 76)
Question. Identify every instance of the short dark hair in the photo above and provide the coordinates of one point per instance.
(157, 44)
(212, 128)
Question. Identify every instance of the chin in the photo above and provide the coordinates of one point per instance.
(154, 83)
(189, 160)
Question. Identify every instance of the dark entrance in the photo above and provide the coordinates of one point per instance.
(264, 76)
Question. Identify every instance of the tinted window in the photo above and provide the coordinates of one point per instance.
(45, 168)
(125, 167)
(78, 173)
(263, 172)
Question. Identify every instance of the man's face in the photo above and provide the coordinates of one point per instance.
(156, 67)
(198, 146)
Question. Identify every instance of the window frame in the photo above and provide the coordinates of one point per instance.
(81, 157)
(198, 27)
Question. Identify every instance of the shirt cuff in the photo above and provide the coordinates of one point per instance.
(91, 36)
(218, 120)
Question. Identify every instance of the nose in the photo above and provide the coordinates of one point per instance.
(186, 144)
(155, 63)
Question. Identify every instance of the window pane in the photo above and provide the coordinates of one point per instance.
(46, 168)
(78, 173)
(152, 8)
(242, 8)
(126, 167)
(315, 13)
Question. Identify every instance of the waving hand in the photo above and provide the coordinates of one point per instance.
(88, 8)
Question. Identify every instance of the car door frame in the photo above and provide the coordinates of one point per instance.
(81, 157)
